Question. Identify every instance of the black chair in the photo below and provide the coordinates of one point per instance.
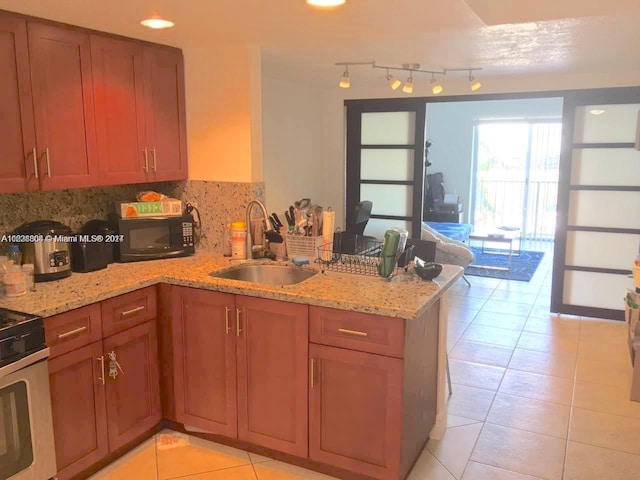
(361, 217)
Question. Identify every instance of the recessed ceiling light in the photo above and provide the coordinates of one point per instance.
(596, 111)
(157, 23)
(326, 3)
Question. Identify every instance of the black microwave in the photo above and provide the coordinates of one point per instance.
(153, 238)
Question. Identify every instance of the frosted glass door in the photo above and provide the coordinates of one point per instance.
(385, 151)
(601, 234)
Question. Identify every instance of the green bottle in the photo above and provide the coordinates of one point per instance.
(388, 255)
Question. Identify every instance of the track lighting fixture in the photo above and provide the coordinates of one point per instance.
(394, 82)
(408, 85)
(345, 81)
(436, 87)
(326, 3)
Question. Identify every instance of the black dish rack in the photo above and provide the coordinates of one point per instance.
(354, 254)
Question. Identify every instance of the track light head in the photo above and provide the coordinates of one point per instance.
(345, 81)
(473, 83)
(408, 85)
(436, 87)
(394, 83)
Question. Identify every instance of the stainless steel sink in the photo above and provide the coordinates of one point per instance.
(266, 274)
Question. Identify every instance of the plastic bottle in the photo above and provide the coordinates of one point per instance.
(239, 240)
(389, 250)
(15, 254)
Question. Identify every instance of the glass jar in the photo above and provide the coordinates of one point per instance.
(28, 270)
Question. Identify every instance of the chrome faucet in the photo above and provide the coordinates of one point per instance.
(251, 248)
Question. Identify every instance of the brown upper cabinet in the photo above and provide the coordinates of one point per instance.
(140, 115)
(82, 109)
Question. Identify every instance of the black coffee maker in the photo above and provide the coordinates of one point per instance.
(89, 253)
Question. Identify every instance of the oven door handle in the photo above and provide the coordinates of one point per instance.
(24, 362)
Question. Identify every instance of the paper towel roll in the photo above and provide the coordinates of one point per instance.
(328, 226)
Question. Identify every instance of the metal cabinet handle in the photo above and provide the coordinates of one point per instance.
(132, 311)
(238, 329)
(312, 372)
(101, 360)
(353, 332)
(227, 326)
(62, 336)
(146, 160)
(46, 152)
(153, 153)
(35, 162)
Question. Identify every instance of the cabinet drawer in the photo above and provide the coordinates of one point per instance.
(128, 310)
(71, 330)
(356, 331)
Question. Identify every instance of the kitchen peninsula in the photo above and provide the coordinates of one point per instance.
(341, 373)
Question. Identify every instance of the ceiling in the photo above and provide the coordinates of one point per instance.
(504, 37)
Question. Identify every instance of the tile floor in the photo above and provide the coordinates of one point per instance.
(535, 396)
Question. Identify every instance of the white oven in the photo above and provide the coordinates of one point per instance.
(26, 430)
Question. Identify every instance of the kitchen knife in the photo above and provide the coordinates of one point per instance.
(273, 223)
(275, 217)
(288, 219)
(292, 215)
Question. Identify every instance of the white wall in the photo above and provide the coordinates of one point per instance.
(293, 154)
(450, 130)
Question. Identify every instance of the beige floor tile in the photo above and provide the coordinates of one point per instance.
(234, 473)
(470, 402)
(558, 365)
(510, 308)
(605, 398)
(615, 353)
(552, 324)
(454, 332)
(454, 450)
(475, 374)
(482, 353)
(491, 335)
(476, 292)
(538, 387)
(480, 471)
(531, 415)
(255, 458)
(514, 297)
(461, 315)
(605, 430)
(519, 451)
(140, 464)
(275, 470)
(605, 373)
(513, 286)
(598, 330)
(457, 421)
(540, 310)
(586, 462)
(427, 467)
(486, 282)
(466, 302)
(192, 459)
(558, 342)
(500, 320)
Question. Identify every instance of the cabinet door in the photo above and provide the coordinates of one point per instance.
(272, 350)
(357, 429)
(118, 78)
(78, 408)
(204, 343)
(60, 60)
(133, 397)
(17, 134)
(165, 113)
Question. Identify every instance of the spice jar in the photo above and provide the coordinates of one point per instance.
(239, 240)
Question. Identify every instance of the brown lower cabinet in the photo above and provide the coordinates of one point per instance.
(95, 414)
(240, 367)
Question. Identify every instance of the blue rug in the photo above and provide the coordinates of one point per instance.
(522, 267)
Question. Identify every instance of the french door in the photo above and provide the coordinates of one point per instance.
(598, 232)
(385, 163)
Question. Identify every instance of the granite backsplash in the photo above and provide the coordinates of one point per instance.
(218, 203)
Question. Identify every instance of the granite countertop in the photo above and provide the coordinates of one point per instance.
(404, 296)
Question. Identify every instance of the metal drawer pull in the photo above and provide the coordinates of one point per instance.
(227, 327)
(353, 332)
(101, 360)
(132, 311)
(46, 151)
(62, 336)
(312, 372)
(35, 161)
(155, 166)
(238, 329)
(146, 160)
